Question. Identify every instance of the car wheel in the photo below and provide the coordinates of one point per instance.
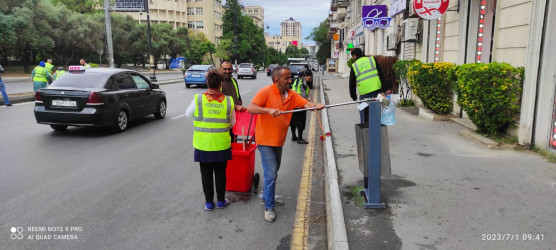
(188, 85)
(121, 122)
(59, 127)
(160, 110)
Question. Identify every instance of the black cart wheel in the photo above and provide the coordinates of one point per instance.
(256, 179)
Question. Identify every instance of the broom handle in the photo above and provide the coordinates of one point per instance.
(330, 105)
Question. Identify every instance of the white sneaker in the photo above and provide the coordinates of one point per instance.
(269, 215)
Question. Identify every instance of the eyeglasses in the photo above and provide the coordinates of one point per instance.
(372, 22)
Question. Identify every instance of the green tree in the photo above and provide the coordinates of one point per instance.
(224, 50)
(320, 36)
(303, 52)
(196, 47)
(122, 38)
(248, 39)
(161, 37)
(292, 51)
(178, 43)
(82, 6)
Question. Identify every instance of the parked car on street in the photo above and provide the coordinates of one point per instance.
(270, 68)
(246, 69)
(197, 74)
(98, 97)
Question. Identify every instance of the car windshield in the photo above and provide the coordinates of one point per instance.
(245, 65)
(295, 67)
(82, 80)
(199, 67)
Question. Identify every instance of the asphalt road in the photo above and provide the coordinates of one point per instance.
(17, 85)
(136, 190)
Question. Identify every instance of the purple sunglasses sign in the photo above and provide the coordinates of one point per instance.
(375, 16)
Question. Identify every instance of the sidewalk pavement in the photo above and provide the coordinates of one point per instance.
(445, 191)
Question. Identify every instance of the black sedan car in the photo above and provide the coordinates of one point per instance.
(99, 97)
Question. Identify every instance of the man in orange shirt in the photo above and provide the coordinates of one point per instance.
(272, 128)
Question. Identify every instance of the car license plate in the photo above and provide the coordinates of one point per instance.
(64, 103)
(195, 75)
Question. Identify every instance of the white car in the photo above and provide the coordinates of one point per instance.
(246, 69)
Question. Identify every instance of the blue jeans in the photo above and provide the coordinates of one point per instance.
(3, 90)
(364, 114)
(270, 158)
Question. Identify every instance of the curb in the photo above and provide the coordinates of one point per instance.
(30, 96)
(427, 114)
(335, 224)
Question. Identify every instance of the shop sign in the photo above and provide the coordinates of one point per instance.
(397, 7)
(375, 16)
(336, 37)
(430, 9)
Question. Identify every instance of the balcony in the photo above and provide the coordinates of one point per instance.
(342, 3)
(333, 7)
(340, 14)
(334, 26)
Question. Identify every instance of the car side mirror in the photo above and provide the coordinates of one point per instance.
(155, 86)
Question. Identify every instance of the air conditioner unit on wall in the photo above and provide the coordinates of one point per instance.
(391, 41)
(409, 30)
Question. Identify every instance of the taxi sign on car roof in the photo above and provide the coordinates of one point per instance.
(75, 68)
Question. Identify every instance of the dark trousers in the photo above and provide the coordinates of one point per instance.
(298, 122)
(219, 170)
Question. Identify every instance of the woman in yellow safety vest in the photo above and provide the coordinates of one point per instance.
(213, 117)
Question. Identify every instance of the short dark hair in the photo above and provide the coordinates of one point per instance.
(226, 61)
(214, 79)
(276, 72)
(357, 52)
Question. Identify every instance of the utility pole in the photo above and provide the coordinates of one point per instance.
(151, 57)
(109, 33)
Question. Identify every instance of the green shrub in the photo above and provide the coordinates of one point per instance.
(406, 103)
(489, 93)
(400, 70)
(431, 83)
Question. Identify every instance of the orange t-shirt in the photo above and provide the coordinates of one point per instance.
(272, 131)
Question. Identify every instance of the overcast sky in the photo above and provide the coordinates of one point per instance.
(309, 12)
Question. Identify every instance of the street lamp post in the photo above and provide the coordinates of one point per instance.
(151, 57)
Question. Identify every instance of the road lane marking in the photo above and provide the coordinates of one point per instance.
(300, 233)
(178, 117)
(184, 91)
(244, 92)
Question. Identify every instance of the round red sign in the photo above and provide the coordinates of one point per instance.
(430, 9)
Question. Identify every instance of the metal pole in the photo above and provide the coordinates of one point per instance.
(108, 33)
(151, 57)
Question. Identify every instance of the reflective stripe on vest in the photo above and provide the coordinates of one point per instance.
(296, 86)
(366, 75)
(211, 123)
(40, 74)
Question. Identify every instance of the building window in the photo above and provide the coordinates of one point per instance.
(191, 25)
(190, 11)
(200, 25)
(199, 12)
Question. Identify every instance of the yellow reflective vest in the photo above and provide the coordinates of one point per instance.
(296, 86)
(49, 67)
(59, 73)
(366, 75)
(40, 74)
(212, 123)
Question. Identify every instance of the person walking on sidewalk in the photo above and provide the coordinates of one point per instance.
(3, 89)
(272, 128)
(230, 88)
(300, 86)
(367, 76)
(41, 77)
(213, 117)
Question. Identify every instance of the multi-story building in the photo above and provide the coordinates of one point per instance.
(280, 43)
(255, 12)
(203, 16)
(291, 28)
(519, 32)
